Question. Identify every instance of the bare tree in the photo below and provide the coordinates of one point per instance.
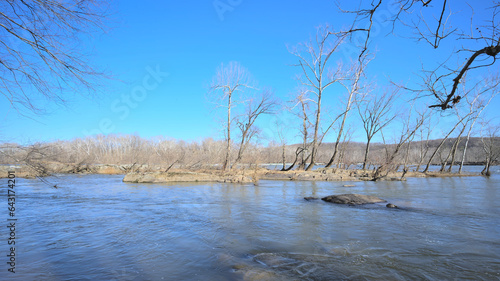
(300, 107)
(425, 132)
(229, 80)
(490, 137)
(461, 119)
(376, 112)
(477, 99)
(255, 107)
(409, 130)
(453, 151)
(343, 148)
(280, 131)
(353, 87)
(168, 152)
(41, 55)
(35, 158)
(478, 103)
(317, 74)
(423, 116)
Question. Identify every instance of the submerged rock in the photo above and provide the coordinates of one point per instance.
(391, 206)
(290, 266)
(311, 198)
(285, 266)
(352, 199)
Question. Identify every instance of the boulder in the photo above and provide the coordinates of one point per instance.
(352, 199)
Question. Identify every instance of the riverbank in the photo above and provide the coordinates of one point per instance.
(160, 174)
(46, 169)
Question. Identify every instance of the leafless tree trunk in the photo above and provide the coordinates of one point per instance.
(301, 108)
(298, 151)
(353, 89)
(175, 161)
(282, 142)
(317, 74)
(423, 117)
(442, 142)
(343, 149)
(407, 155)
(490, 137)
(375, 113)
(478, 104)
(264, 105)
(229, 80)
(424, 144)
(406, 135)
(453, 150)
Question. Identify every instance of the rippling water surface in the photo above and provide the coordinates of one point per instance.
(99, 228)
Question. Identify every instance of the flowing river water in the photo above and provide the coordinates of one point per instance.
(95, 227)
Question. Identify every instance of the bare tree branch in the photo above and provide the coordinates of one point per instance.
(433, 30)
(41, 55)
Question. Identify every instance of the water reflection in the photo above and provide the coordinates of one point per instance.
(99, 228)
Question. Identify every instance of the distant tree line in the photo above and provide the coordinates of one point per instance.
(210, 153)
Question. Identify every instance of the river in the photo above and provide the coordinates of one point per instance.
(95, 227)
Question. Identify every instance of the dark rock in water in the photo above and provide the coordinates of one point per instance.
(352, 199)
(391, 205)
(311, 198)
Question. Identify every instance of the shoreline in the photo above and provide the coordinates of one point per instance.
(157, 174)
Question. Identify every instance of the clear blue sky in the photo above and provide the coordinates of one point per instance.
(189, 40)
